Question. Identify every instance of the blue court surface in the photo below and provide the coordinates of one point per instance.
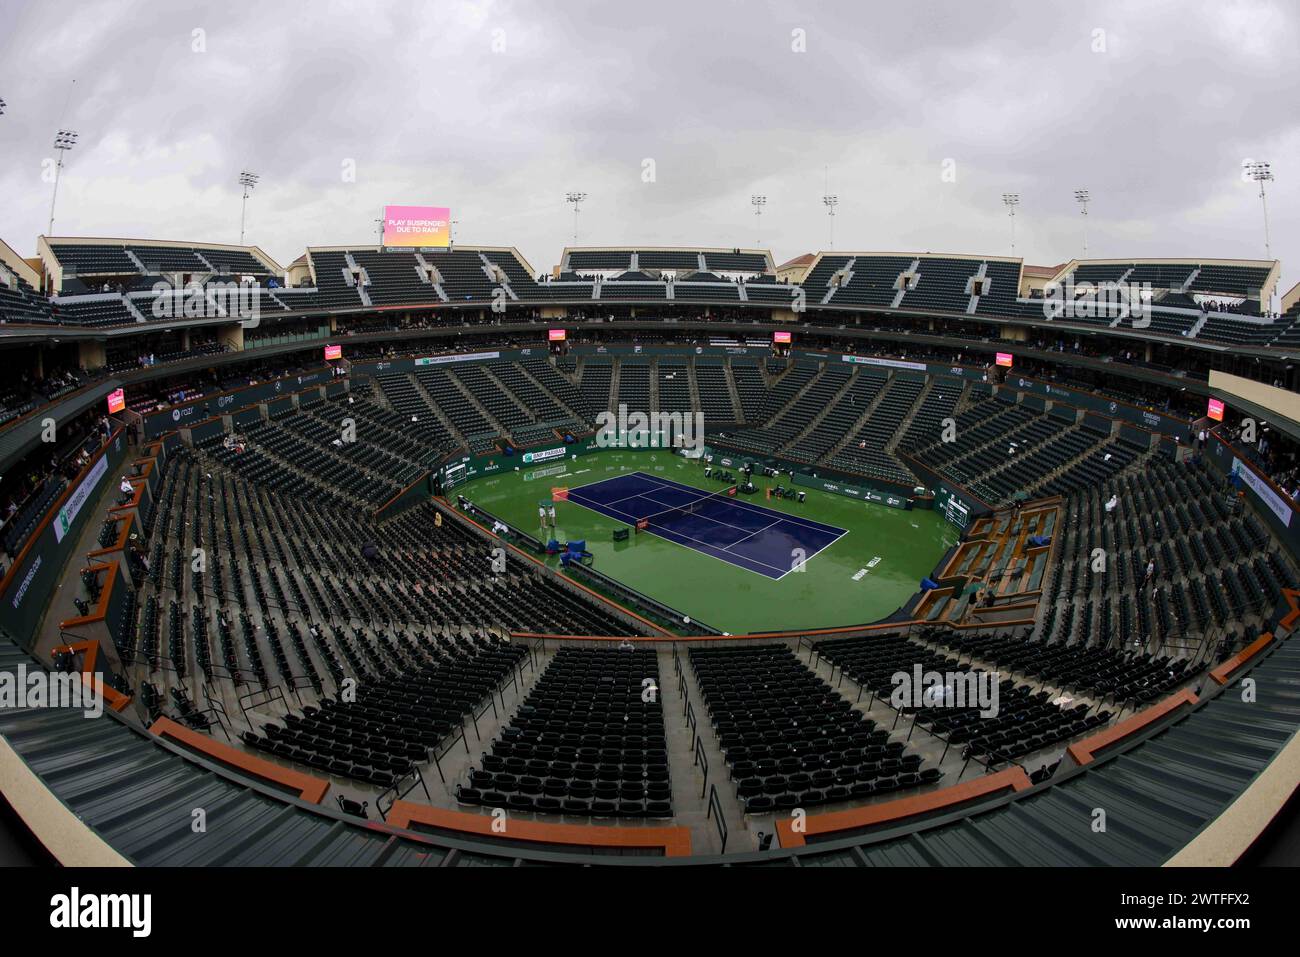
(749, 536)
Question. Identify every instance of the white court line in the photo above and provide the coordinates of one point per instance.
(726, 548)
(707, 545)
(794, 520)
(751, 534)
(814, 526)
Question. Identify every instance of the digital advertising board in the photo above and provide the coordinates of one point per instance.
(419, 226)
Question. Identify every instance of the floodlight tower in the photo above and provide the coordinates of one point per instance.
(1083, 198)
(248, 181)
(64, 140)
(758, 202)
(830, 201)
(1262, 173)
(576, 198)
(1011, 201)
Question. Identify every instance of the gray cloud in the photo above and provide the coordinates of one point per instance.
(498, 108)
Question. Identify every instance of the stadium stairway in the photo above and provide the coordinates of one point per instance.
(565, 398)
(733, 391)
(447, 423)
(693, 385)
(475, 403)
(906, 424)
(867, 415)
(615, 384)
(654, 386)
(497, 382)
(828, 404)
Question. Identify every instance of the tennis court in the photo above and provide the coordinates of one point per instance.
(748, 536)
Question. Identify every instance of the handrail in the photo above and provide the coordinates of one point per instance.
(303, 786)
(892, 812)
(670, 841)
(1086, 751)
(719, 821)
(1224, 672)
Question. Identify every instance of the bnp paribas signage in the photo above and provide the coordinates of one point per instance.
(544, 456)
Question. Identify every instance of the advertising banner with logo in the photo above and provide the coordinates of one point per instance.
(853, 491)
(1155, 421)
(887, 363)
(209, 406)
(116, 401)
(457, 357)
(31, 581)
(67, 513)
(1276, 510)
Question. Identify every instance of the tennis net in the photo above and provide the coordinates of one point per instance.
(659, 519)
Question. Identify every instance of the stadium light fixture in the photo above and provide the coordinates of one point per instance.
(830, 201)
(64, 140)
(379, 229)
(451, 232)
(1262, 173)
(758, 202)
(1011, 201)
(576, 199)
(248, 181)
(1083, 198)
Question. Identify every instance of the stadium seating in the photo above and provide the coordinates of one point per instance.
(790, 740)
(586, 741)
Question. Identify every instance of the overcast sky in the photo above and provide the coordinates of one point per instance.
(670, 115)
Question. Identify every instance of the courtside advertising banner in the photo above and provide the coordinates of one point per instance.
(422, 226)
(1276, 503)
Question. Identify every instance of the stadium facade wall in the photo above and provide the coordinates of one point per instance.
(1276, 509)
(202, 409)
(1161, 422)
(30, 584)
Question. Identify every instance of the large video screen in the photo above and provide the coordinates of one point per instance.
(417, 226)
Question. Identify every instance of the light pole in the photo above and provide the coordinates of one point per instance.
(1083, 198)
(1011, 201)
(451, 232)
(758, 202)
(830, 201)
(379, 228)
(576, 198)
(64, 140)
(248, 181)
(1262, 173)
